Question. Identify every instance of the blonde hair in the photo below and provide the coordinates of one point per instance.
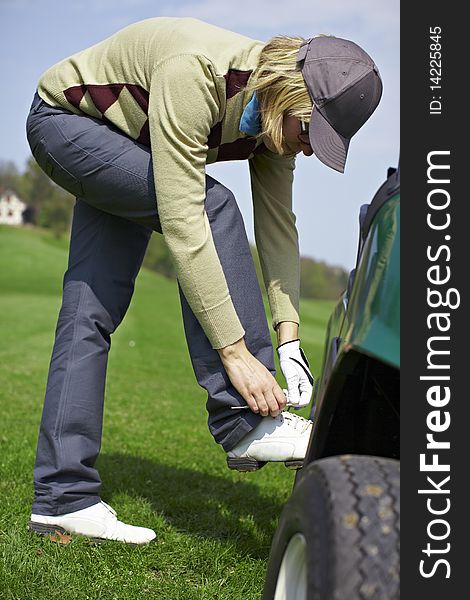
(280, 87)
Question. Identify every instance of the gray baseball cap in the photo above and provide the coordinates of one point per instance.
(345, 86)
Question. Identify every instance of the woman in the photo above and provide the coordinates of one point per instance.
(127, 126)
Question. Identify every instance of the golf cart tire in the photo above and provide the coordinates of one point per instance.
(338, 535)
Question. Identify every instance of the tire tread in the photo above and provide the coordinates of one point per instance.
(348, 509)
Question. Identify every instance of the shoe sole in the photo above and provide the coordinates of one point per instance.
(294, 465)
(251, 464)
(43, 529)
(244, 464)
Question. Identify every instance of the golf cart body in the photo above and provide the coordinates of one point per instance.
(356, 399)
(338, 535)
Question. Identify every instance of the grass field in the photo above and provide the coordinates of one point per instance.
(159, 464)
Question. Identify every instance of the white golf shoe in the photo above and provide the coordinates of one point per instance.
(98, 522)
(281, 439)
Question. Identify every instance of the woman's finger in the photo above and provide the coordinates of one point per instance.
(280, 397)
(271, 401)
(262, 404)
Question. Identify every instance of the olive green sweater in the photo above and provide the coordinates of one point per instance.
(178, 86)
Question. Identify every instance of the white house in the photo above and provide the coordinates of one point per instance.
(11, 208)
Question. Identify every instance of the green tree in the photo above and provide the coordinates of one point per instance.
(10, 177)
(319, 280)
(158, 257)
(36, 185)
(52, 204)
(56, 212)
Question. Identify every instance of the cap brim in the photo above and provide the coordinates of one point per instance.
(329, 146)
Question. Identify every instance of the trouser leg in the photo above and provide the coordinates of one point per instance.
(228, 426)
(105, 256)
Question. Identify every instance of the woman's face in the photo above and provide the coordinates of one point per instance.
(294, 140)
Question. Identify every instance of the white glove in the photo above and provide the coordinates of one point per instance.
(296, 370)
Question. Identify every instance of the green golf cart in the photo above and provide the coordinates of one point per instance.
(338, 535)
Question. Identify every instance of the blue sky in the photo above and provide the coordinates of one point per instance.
(36, 34)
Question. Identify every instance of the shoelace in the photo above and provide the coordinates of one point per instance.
(246, 407)
(110, 508)
(116, 524)
(296, 421)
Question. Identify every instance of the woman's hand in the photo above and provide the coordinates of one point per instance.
(252, 380)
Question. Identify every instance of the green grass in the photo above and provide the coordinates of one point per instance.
(159, 465)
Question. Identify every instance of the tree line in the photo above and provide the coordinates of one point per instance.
(52, 209)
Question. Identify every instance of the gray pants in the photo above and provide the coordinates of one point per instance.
(114, 216)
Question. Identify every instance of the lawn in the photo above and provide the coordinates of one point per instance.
(159, 464)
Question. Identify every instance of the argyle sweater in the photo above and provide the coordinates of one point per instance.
(178, 86)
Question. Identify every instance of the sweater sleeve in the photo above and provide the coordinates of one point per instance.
(183, 106)
(276, 235)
